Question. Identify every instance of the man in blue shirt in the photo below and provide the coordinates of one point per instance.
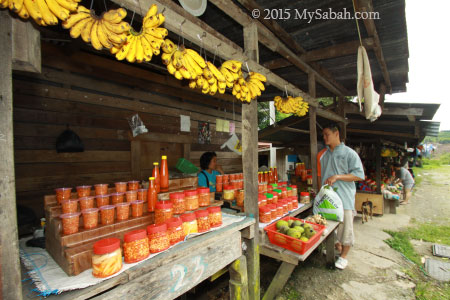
(210, 169)
(340, 166)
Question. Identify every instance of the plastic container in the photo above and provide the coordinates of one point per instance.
(175, 230)
(304, 197)
(107, 214)
(226, 179)
(291, 243)
(189, 223)
(240, 198)
(290, 205)
(70, 222)
(269, 198)
(203, 196)
(177, 200)
(86, 202)
(215, 216)
(101, 189)
(273, 211)
(191, 200)
(294, 202)
(285, 206)
(90, 218)
(278, 192)
(63, 194)
(289, 191)
(135, 246)
(69, 206)
(158, 238)
(284, 193)
(269, 188)
(219, 187)
(83, 191)
(137, 208)
(185, 166)
(309, 180)
(107, 258)
(142, 194)
(102, 200)
(202, 220)
(294, 190)
(261, 188)
(262, 200)
(131, 196)
(228, 192)
(133, 185)
(265, 215)
(116, 198)
(163, 211)
(121, 187)
(219, 179)
(275, 198)
(280, 210)
(122, 211)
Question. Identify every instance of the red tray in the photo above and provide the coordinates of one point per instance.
(290, 243)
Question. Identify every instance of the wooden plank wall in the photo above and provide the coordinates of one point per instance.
(95, 103)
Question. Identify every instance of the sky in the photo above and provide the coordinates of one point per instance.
(429, 57)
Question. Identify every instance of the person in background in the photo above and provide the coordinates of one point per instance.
(210, 169)
(407, 180)
(340, 166)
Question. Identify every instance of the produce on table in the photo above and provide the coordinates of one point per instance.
(318, 219)
(291, 105)
(294, 228)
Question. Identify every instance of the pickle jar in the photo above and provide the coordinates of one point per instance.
(265, 215)
(107, 214)
(116, 198)
(163, 211)
(304, 197)
(70, 222)
(202, 220)
(83, 191)
(191, 200)
(137, 208)
(107, 258)
(203, 196)
(189, 223)
(175, 230)
(228, 192)
(102, 200)
(135, 246)
(69, 206)
(122, 211)
(269, 198)
(86, 202)
(90, 218)
(262, 199)
(158, 238)
(177, 200)
(215, 216)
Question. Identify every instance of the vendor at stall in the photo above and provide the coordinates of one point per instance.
(210, 169)
(407, 180)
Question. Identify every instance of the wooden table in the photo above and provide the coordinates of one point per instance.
(176, 271)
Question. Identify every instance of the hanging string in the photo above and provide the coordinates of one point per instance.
(248, 69)
(132, 18)
(106, 8)
(285, 89)
(357, 24)
(214, 58)
(92, 4)
(181, 37)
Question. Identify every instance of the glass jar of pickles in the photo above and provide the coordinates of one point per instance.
(203, 196)
(228, 192)
(202, 220)
(163, 211)
(135, 246)
(158, 238)
(107, 258)
(178, 202)
(265, 215)
(191, 200)
(189, 223)
(215, 216)
(175, 230)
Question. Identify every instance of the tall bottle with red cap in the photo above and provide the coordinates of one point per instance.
(152, 195)
(164, 174)
(157, 177)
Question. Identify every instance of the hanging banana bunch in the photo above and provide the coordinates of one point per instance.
(247, 90)
(291, 105)
(210, 81)
(231, 69)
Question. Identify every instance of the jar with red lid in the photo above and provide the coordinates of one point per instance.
(177, 200)
(285, 206)
(240, 198)
(262, 199)
(158, 238)
(135, 246)
(122, 211)
(304, 197)
(279, 209)
(163, 211)
(121, 187)
(142, 194)
(219, 179)
(131, 196)
(107, 258)
(219, 187)
(69, 206)
(294, 202)
(189, 223)
(232, 177)
(269, 188)
(86, 202)
(191, 200)
(137, 208)
(175, 230)
(215, 216)
(70, 222)
(101, 189)
(90, 218)
(63, 194)
(294, 190)
(202, 220)
(261, 188)
(273, 211)
(203, 196)
(102, 200)
(284, 193)
(226, 179)
(289, 191)
(133, 185)
(83, 191)
(275, 198)
(116, 198)
(265, 215)
(228, 192)
(290, 204)
(269, 198)
(107, 214)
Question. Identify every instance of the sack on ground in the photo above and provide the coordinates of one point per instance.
(328, 204)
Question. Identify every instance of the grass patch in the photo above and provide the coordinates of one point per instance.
(428, 290)
(293, 294)
(430, 232)
(400, 241)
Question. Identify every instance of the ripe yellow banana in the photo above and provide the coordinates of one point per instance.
(131, 55)
(219, 76)
(168, 46)
(69, 5)
(95, 42)
(118, 28)
(86, 31)
(102, 37)
(75, 18)
(258, 76)
(197, 58)
(139, 50)
(151, 11)
(33, 10)
(77, 29)
(14, 5)
(232, 65)
(61, 12)
(48, 17)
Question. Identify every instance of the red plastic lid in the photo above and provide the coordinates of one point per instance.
(163, 205)
(69, 215)
(261, 197)
(265, 209)
(284, 189)
(89, 210)
(188, 217)
(293, 186)
(174, 222)
(178, 195)
(84, 187)
(189, 193)
(304, 194)
(201, 213)
(156, 228)
(309, 176)
(106, 246)
(203, 190)
(134, 235)
(213, 209)
(228, 187)
(107, 207)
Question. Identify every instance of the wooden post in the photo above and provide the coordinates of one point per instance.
(313, 130)
(250, 167)
(279, 281)
(238, 279)
(9, 244)
(378, 167)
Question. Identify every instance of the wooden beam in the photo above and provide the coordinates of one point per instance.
(312, 85)
(330, 115)
(26, 46)
(313, 146)
(239, 279)
(344, 49)
(378, 132)
(277, 63)
(279, 281)
(381, 122)
(351, 108)
(295, 130)
(283, 124)
(11, 283)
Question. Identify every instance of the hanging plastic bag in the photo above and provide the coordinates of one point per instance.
(233, 144)
(136, 125)
(69, 141)
(328, 204)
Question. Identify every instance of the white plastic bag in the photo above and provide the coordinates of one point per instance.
(233, 144)
(365, 88)
(328, 204)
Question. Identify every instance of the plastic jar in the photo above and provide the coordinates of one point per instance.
(225, 179)
(177, 200)
(86, 202)
(269, 188)
(233, 177)
(215, 216)
(273, 211)
(69, 206)
(137, 208)
(142, 194)
(107, 214)
(228, 192)
(202, 220)
(131, 196)
(121, 187)
(278, 193)
(304, 197)
(101, 189)
(83, 191)
(219, 187)
(63, 194)
(190, 200)
(90, 218)
(309, 180)
(122, 211)
(279, 209)
(269, 198)
(102, 200)
(70, 222)
(294, 202)
(189, 223)
(116, 198)
(261, 188)
(275, 198)
(175, 230)
(262, 200)
(133, 185)
(285, 206)
(240, 198)
(163, 211)
(289, 191)
(107, 258)
(294, 190)
(158, 238)
(235, 184)
(135, 246)
(265, 215)
(203, 196)
(284, 193)
(219, 179)
(290, 205)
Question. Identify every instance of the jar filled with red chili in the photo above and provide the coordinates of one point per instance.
(175, 230)
(215, 216)
(163, 211)
(135, 246)
(203, 196)
(90, 218)
(265, 215)
(122, 211)
(70, 222)
(191, 200)
(107, 214)
(137, 208)
(158, 238)
(202, 220)
(178, 202)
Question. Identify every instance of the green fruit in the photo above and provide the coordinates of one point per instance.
(294, 233)
(297, 223)
(282, 223)
(283, 229)
(300, 229)
(290, 222)
(304, 239)
(309, 233)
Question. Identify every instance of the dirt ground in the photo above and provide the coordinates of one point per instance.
(375, 271)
